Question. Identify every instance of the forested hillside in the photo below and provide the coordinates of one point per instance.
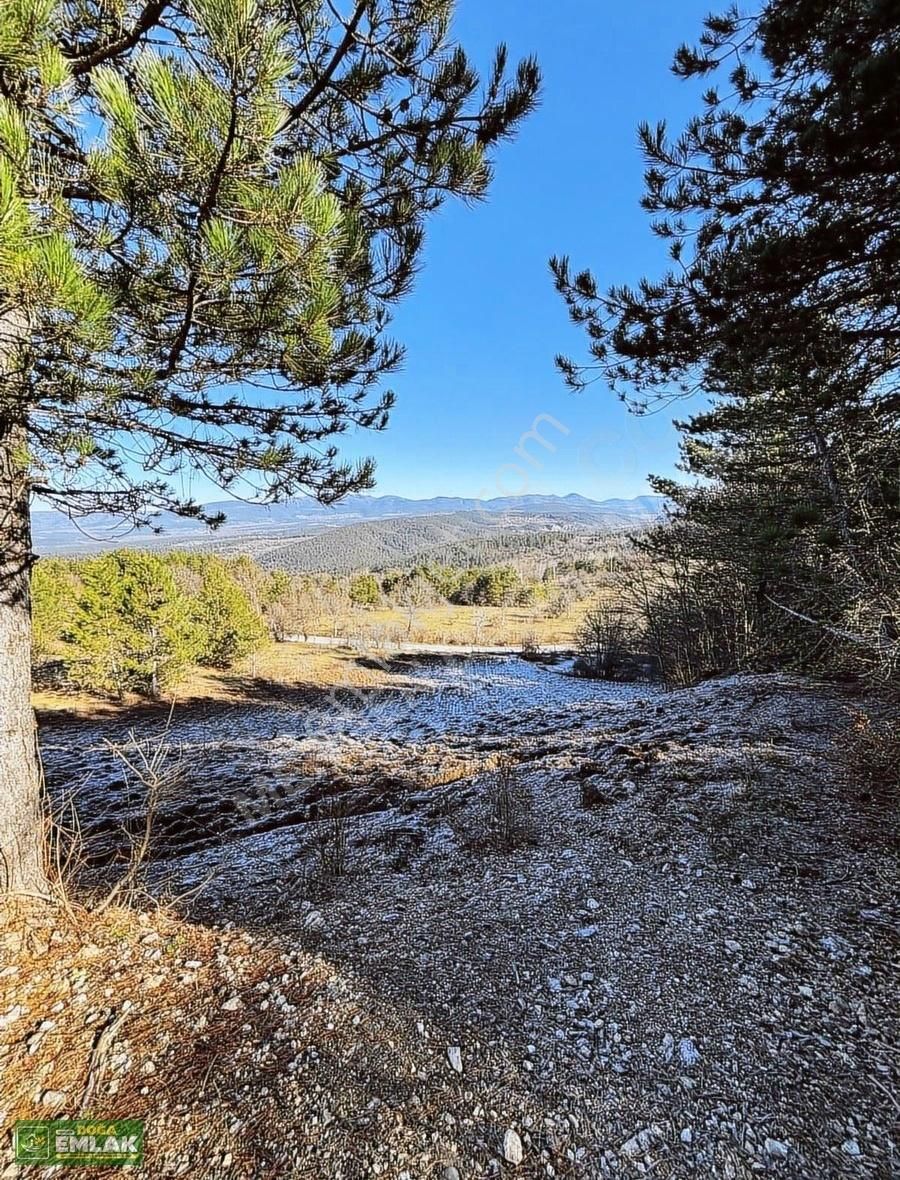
(457, 539)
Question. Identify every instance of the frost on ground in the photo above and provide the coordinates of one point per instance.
(664, 944)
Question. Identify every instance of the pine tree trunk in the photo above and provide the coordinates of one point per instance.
(21, 812)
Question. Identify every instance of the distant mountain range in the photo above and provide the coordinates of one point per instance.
(54, 533)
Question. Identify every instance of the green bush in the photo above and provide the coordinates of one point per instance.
(495, 586)
(130, 628)
(364, 590)
(54, 589)
(228, 626)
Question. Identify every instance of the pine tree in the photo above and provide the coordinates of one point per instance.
(228, 627)
(131, 630)
(207, 210)
(278, 588)
(364, 590)
(795, 510)
(780, 202)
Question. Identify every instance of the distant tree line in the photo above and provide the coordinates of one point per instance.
(130, 621)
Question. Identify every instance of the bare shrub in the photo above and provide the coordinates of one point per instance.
(561, 603)
(750, 773)
(531, 647)
(65, 850)
(331, 840)
(604, 641)
(871, 753)
(510, 807)
(698, 622)
(158, 769)
(304, 881)
(479, 626)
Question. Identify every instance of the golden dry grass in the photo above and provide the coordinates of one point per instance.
(488, 625)
(277, 668)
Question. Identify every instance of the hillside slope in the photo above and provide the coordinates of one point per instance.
(249, 526)
(678, 959)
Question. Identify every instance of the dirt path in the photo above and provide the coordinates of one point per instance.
(431, 649)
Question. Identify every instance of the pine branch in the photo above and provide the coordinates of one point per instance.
(98, 54)
(299, 109)
(203, 217)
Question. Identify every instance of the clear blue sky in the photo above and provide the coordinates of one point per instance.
(484, 322)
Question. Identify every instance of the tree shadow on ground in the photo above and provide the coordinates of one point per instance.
(238, 693)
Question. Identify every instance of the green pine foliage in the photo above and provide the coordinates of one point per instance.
(497, 586)
(780, 205)
(207, 211)
(228, 626)
(277, 589)
(54, 586)
(131, 630)
(364, 590)
(132, 622)
(472, 585)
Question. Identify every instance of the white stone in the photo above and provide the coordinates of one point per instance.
(512, 1147)
(776, 1149)
(688, 1051)
(640, 1143)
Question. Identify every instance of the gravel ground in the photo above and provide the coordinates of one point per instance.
(660, 939)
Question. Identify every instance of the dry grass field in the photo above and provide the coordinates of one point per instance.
(276, 669)
(488, 625)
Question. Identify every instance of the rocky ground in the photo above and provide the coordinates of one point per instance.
(639, 934)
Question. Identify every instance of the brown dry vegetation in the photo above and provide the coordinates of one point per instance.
(175, 1059)
(491, 625)
(244, 1056)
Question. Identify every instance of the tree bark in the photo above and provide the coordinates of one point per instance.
(22, 864)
